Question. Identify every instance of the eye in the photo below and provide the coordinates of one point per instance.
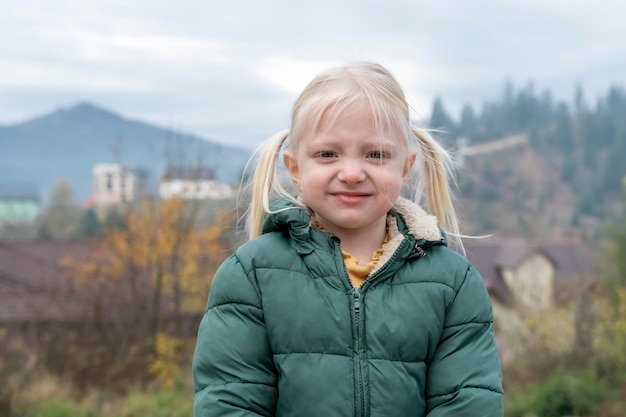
(376, 155)
(327, 154)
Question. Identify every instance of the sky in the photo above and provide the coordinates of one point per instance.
(230, 70)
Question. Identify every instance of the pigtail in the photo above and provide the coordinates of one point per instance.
(264, 183)
(434, 184)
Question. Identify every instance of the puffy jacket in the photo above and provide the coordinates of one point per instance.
(286, 334)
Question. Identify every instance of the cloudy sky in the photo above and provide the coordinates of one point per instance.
(229, 70)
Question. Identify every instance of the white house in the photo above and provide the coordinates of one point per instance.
(193, 183)
(116, 184)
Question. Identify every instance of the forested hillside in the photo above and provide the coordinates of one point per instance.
(566, 180)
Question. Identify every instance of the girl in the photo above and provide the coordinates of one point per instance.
(346, 300)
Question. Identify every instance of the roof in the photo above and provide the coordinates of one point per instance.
(193, 173)
(489, 256)
(32, 285)
(571, 258)
(484, 257)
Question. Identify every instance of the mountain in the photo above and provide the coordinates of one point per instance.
(65, 144)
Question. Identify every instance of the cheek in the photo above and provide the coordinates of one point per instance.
(307, 179)
(310, 181)
(394, 179)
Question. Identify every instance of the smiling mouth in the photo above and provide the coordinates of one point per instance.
(350, 198)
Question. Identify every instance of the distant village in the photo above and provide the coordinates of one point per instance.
(115, 184)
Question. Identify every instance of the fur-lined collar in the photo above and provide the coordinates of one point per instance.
(420, 224)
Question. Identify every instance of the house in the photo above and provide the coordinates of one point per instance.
(532, 276)
(115, 184)
(193, 183)
(532, 283)
(19, 202)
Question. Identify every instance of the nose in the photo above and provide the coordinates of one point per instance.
(351, 172)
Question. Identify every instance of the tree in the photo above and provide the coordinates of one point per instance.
(61, 218)
(440, 120)
(579, 100)
(89, 224)
(468, 121)
(614, 273)
(143, 282)
(610, 342)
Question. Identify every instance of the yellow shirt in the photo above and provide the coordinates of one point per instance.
(356, 272)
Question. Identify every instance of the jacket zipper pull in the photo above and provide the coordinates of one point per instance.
(357, 300)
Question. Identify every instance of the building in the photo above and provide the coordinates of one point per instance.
(19, 203)
(532, 276)
(531, 285)
(193, 183)
(116, 184)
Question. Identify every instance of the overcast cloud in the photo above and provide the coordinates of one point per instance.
(230, 70)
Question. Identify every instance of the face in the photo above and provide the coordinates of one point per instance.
(348, 175)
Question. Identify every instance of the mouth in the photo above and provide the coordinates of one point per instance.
(350, 197)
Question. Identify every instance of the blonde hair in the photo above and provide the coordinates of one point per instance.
(329, 94)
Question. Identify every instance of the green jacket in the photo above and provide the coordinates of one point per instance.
(286, 334)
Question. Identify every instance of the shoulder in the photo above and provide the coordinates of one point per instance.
(266, 249)
(444, 265)
(236, 280)
(471, 299)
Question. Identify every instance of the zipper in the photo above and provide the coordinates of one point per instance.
(357, 302)
(380, 271)
(357, 298)
(356, 292)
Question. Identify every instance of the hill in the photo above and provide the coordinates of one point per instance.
(517, 191)
(65, 144)
(566, 178)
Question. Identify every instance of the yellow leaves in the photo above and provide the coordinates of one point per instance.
(554, 329)
(165, 365)
(602, 322)
(159, 259)
(610, 340)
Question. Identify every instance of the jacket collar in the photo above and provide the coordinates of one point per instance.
(411, 230)
(421, 225)
(405, 216)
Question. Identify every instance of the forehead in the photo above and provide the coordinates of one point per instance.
(350, 127)
(351, 135)
(359, 115)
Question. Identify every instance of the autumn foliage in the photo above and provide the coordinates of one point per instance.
(144, 286)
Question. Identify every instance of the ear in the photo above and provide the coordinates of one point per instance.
(292, 167)
(408, 165)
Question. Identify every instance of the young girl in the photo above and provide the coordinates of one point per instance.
(346, 300)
